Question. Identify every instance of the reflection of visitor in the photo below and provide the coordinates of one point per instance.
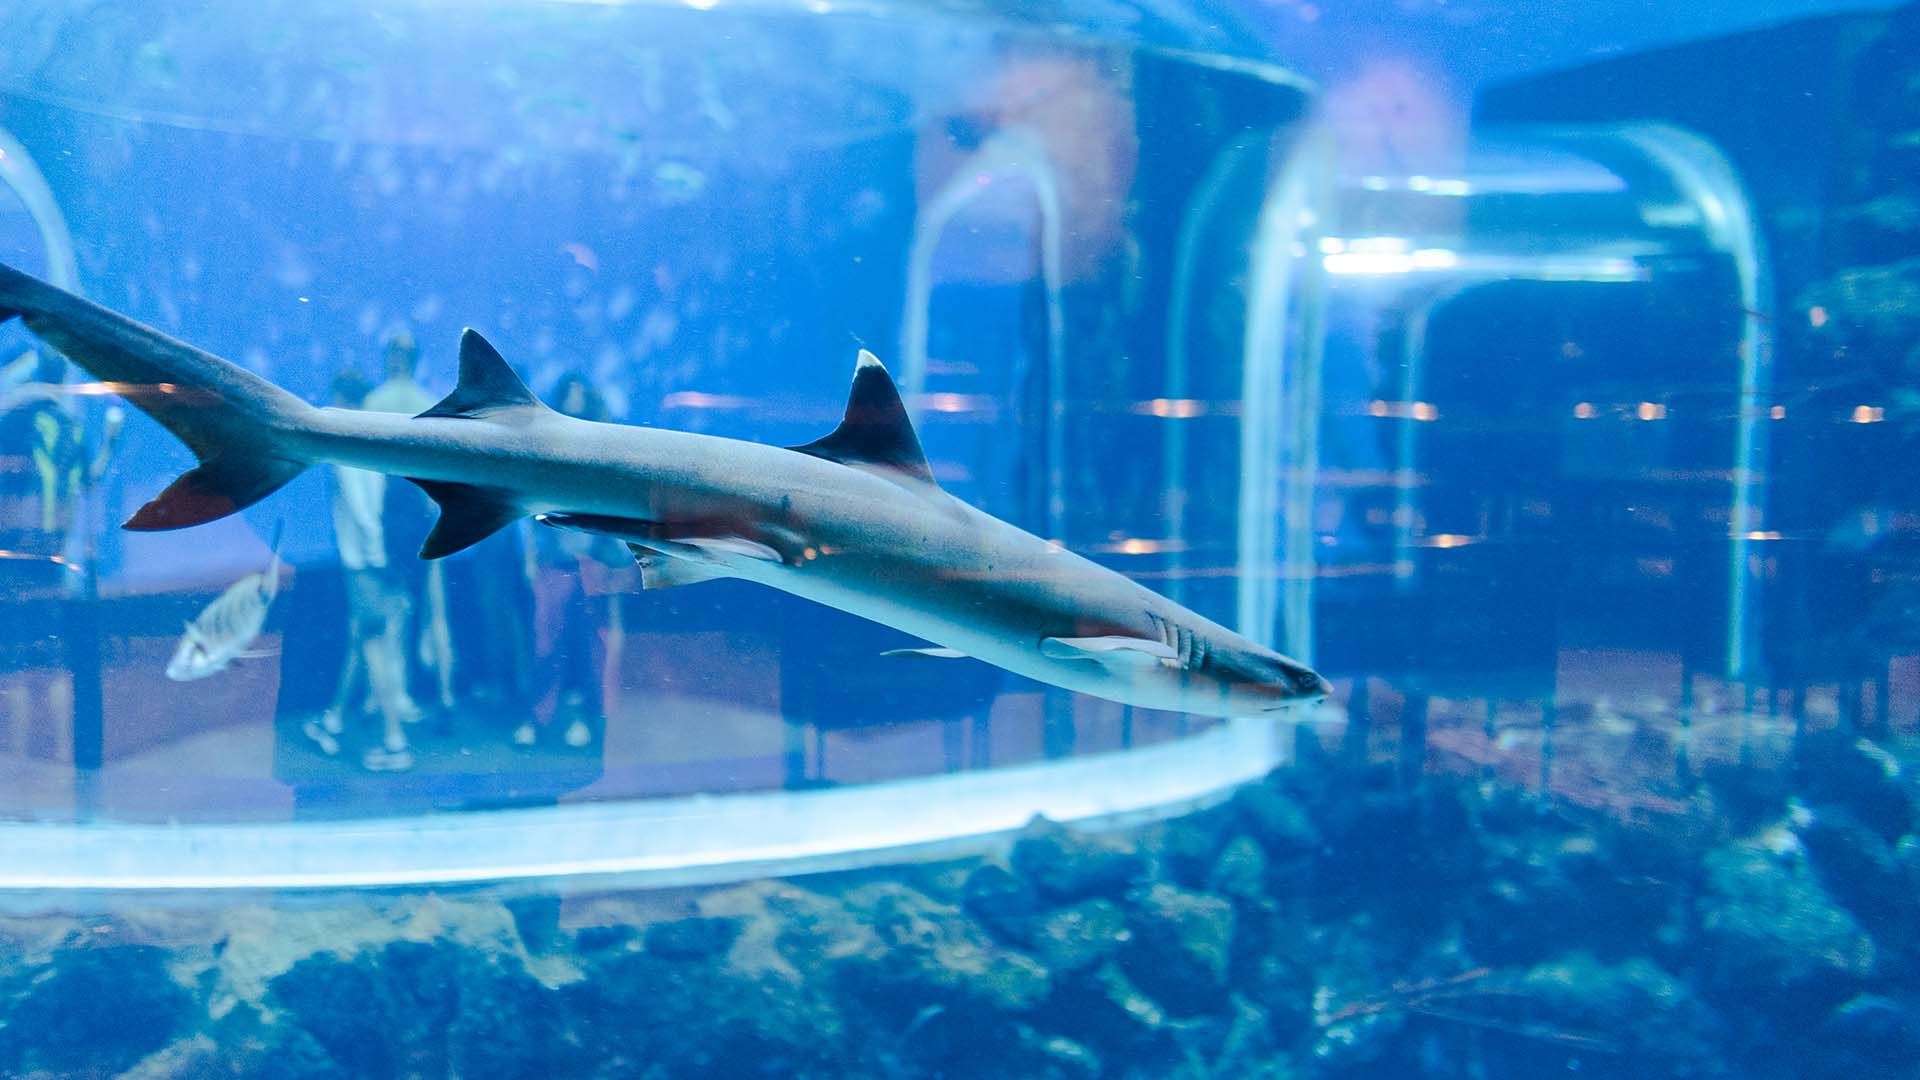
(577, 631)
(376, 613)
(406, 518)
(491, 611)
(43, 456)
(1038, 120)
(44, 479)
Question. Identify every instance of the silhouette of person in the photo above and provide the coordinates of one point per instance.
(577, 629)
(407, 517)
(376, 613)
(44, 468)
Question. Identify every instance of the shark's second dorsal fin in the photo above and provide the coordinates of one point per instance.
(486, 383)
(876, 429)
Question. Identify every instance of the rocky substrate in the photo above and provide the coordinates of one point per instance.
(1324, 923)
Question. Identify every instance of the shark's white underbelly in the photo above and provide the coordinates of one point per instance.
(999, 642)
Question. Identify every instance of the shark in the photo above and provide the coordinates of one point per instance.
(854, 520)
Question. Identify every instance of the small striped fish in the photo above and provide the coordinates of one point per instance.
(225, 630)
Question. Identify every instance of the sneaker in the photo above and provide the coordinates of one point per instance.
(578, 734)
(524, 734)
(322, 738)
(381, 759)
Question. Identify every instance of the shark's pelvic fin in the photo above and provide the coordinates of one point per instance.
(486, 383)
(674, 543)
(876, 429)
(701, 542)
(658, 571)
(666, 563)
(718, 546)
(933, 653)
(625, 528)
(468, 515)
(1113, 651)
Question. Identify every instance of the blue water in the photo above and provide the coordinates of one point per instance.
(1543, 378)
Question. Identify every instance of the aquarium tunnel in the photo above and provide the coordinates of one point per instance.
(1104, 539)
(1260, 382)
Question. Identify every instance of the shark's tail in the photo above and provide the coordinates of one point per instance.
(235, 422)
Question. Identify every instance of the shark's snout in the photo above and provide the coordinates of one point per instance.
(1299, 684)
(1306, 682)
(1259, 681)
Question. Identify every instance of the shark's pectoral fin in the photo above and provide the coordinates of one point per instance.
(661, 571)
(1115, 651)
(468, 515)
(933, 653)
(629, 529)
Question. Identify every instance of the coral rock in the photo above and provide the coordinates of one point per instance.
(1182, 945)
(1065, 864)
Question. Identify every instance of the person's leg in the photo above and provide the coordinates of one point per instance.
(580, 647)
(395, 696)
(352, 670)
(386, 661)
(514, 635)
(552, 592)
(325, 732)
(582, 679)
(612, 653)
(436, 635)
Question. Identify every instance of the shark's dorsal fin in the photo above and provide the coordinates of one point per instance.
(486, 383)
(876, 429)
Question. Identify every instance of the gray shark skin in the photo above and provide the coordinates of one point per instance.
(854, 520)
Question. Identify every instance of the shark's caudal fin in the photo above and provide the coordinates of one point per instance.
(235, 422)
(876, 429)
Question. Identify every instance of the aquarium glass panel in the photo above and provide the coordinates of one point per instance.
(847, 538)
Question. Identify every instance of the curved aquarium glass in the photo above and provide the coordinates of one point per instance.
(849, 539)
